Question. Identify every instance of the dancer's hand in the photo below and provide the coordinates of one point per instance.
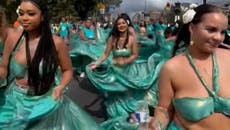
(154, 124)
(93, 65)
(57, 92)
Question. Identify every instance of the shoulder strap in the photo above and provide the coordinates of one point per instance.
(215, 73)
(18, 42)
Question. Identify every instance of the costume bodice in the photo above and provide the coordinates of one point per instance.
(18, 70)
(121, 52)
(195, 109)
(89, 33)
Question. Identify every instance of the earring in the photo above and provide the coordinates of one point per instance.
(191, 42)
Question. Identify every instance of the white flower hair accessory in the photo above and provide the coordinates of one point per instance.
(128, 22)
(188, 16)
(17, 11)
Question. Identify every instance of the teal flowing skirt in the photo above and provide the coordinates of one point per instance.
(103, 34)
(83, 53)
(19, 111)
(123, 87)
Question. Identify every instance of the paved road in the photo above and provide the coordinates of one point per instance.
(87, 97)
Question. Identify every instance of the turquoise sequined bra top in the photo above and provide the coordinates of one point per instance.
(121, 52)
(195, 109)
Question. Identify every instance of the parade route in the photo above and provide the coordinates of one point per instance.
(86, 96)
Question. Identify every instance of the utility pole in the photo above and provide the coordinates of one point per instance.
(204, 2)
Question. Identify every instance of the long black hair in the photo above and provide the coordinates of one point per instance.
(183, 37)
(42, 68)
(116, 34)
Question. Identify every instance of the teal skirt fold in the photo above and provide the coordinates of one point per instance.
(83, 53)
(173, 126)
(123, 87)
(19, 111)
(103, 34)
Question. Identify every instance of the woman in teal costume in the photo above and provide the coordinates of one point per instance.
(39, 70)
(124, 80)
(87, 33)
(194, 85)
(88, 46)
(64, 30)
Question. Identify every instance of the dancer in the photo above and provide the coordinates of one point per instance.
(87, 33)
(193, 87)
(124, 80)
(39, 71)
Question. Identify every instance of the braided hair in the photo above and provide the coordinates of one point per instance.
(42, 68)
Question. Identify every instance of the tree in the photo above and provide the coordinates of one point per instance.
(84, 7)
(57, 9)
(112, 4)
(10, 9)
(61, 8)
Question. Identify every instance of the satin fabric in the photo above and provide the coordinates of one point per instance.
(124, 86)
(195, 108)
(84, 52)
(19, 111)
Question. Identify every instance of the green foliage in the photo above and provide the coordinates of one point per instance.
(10, 7)
(83, 7)
(60, 8)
